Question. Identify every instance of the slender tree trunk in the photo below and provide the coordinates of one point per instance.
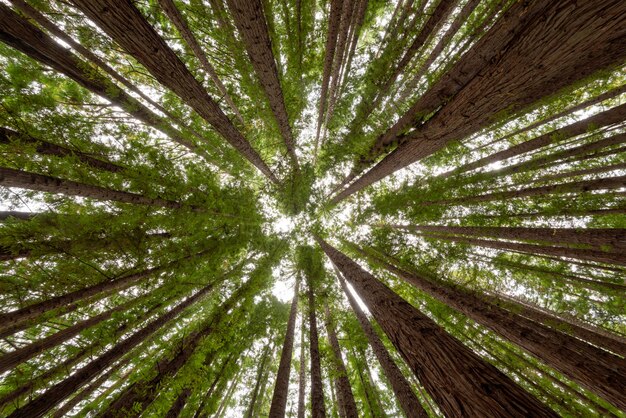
(179, 404)
(347, 405)
(250, 21)
(318, 409)
(401, 388)
(597, 370)
(459, 381)
(10, 177)
(257, 382)
(478, 101)
(302, 374)
(12, 214)
(21, 35)
(211, 390)
(281, 389)
(39, 406)
(228, 397)
(144, 43)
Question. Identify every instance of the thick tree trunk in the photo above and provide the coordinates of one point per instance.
(39, 406)
(401, 387)
(10, 177)
(124, 23)
(250, 21)
(281, 389)
(459, 381)
(595, 369)
(178, 20)
(21, 35)
(482, 85)
(600, 239)
(608, 117)
(347, 405)
(179, 404)
(302, 374)
(11, 319)
(318, 409)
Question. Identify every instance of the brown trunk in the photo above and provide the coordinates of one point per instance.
(459, 381)
(401, 387)
(21, 35)
(178, 20)
(124, 23)
(582, 186)
(606, 118)
(17, 178)
(482, 84)
(347, 405)
(11, 214)
(216, 380)
(597, 370)
(281, 390)
(583, 172)
(302, 374)
(227, 398)
(39, 406)
(356, 31)
(318, 409)
(601, 239)
(179, 404)
(250, 21)
(48, 148)
(257, 383)
(19, 316)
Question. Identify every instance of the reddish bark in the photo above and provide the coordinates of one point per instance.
(459, 381)
(318, 410)
(401, 387)
(281, 389)
(302, 374)
(124, 23)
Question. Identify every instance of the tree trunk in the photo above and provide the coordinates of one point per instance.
(482, 85)
(459, 381)
(17, 178)
(39, 406)
(302, 374)
(347, 405)
(216, 380)
(250, 21)
(257, 382)
(595, 369)
(281, 389)
(11, 319)
(124, 23)
(401, 387)
(179, 404)
(318, 409)
(21, 35)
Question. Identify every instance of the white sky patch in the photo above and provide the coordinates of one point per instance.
(284, 225)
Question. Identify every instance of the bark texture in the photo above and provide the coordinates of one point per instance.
(318, 410)
(460, 382)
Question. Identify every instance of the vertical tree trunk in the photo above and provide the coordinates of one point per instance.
(401, 387)
(459, 381)
(318, 409)
(124, 23)
(302, 374)
(257, 382)
(281, 389)
(347, 405)
(597, 370)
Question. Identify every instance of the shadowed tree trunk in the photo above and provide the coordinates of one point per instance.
(460, 382)
(401, 387)
(302, 374)
(21, 35)
(211, 390)
(250, 21)
(55, 394)
(281, 389)
(347, 405)
(597, 370)
(318, 410)
(124, 23)
(487, 81)
(257, 382)
(178, 20)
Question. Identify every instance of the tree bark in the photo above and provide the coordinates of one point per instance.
(124, 23)
(281, 389)
(347, 405)
(257, 382)
(18, 33)
(595, 369)
(250, 21)
(459, 381)
(482, 85)
(401, 387)
(302, 374)
(318, 409)
(39, 406)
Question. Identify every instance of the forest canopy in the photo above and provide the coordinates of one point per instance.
(320, 208)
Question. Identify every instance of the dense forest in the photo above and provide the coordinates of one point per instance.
(312, 208)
